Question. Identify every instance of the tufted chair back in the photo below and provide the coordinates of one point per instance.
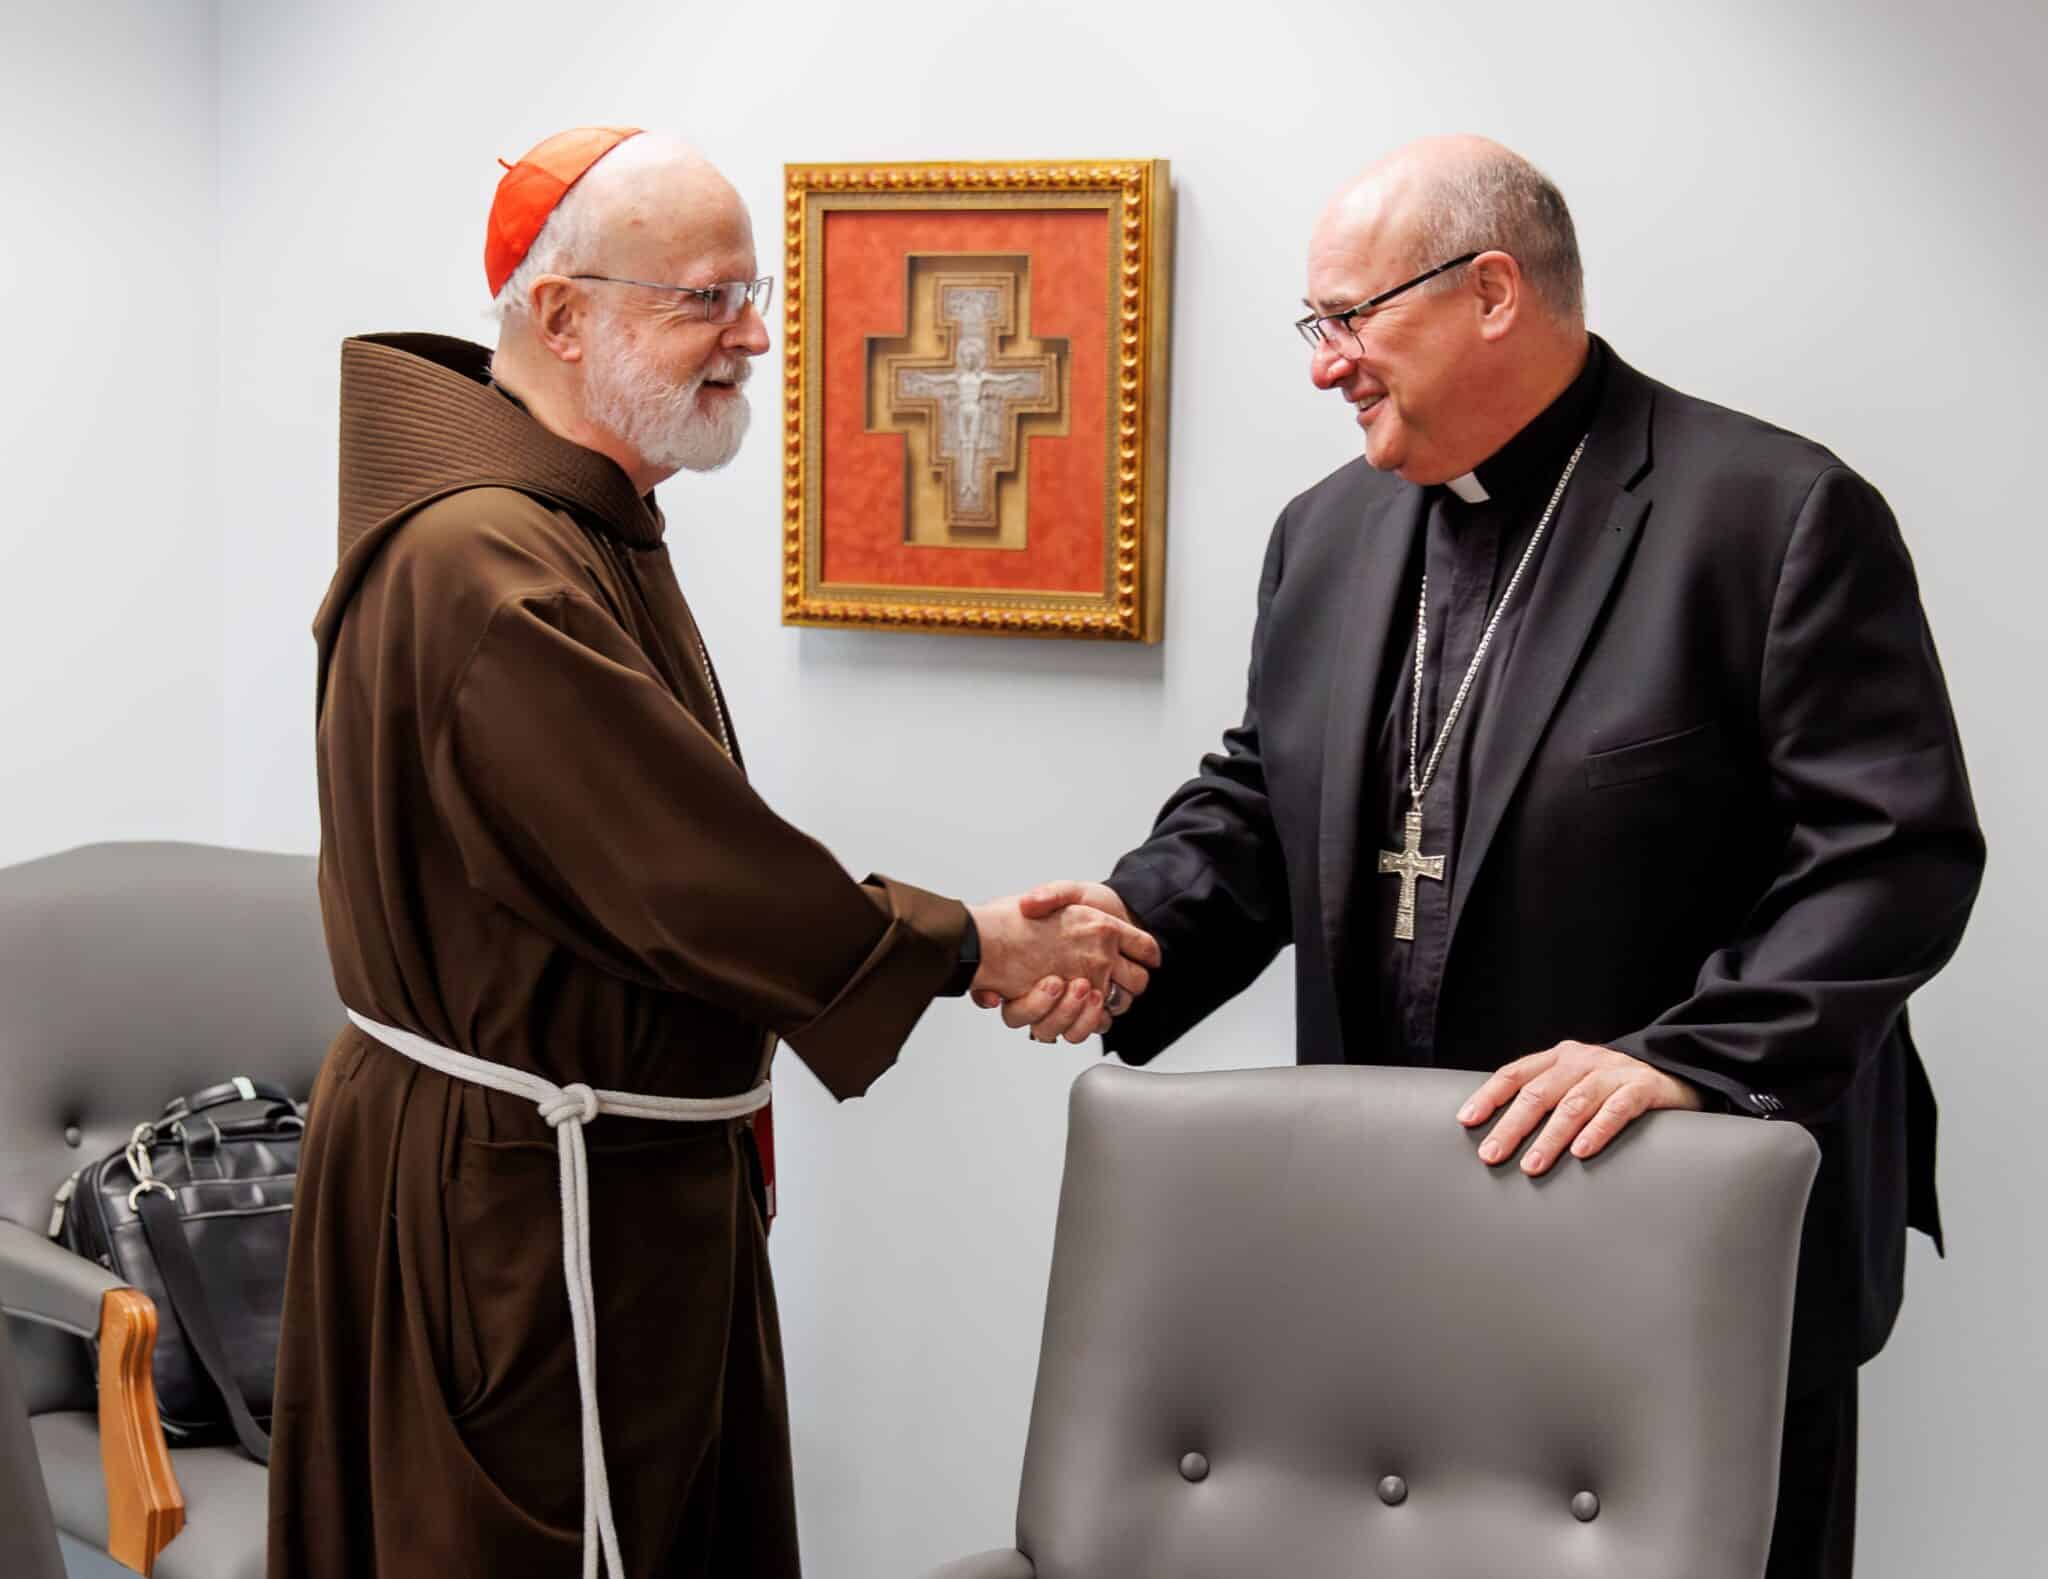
(130, 974)
(1296, 1327)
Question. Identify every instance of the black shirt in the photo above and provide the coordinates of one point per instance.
(1471, 551)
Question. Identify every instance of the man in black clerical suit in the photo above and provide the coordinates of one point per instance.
(1693, 817)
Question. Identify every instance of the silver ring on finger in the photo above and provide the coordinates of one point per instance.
(1113, 1000)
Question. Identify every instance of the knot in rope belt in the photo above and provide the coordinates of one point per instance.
(567, 1109)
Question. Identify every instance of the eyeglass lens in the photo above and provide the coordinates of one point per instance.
(1336, 332)
(733, 295)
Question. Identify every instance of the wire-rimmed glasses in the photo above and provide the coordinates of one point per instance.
(1337, 327)
(723, 302)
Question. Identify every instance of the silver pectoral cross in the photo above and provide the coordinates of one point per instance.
(1408, 864)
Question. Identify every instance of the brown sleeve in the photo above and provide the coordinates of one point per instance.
(586, 799)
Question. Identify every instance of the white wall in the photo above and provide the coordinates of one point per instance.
(1829, 216)
(110, 547)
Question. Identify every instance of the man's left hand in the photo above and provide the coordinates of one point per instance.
(1591, 1093)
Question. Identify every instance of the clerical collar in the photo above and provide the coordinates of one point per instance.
(1530, 460)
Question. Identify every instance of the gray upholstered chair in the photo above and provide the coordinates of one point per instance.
(28, 1537)
(130, 974)
(1295, 1327)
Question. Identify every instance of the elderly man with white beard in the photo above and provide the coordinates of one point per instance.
(568, 936)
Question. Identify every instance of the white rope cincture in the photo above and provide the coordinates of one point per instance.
(567, 1109)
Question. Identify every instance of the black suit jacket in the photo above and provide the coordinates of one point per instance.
(1720, 822)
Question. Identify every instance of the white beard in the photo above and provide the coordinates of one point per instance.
(627, 394)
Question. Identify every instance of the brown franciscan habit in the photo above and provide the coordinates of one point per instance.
(539, 846)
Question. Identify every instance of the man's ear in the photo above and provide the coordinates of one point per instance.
(558, 312)
(1496, 282)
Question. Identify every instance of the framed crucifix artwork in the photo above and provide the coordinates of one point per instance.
(974, 398)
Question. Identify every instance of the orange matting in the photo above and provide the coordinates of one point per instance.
(861, 540)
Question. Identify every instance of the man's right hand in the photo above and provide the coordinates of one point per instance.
(1055, 953)
(1066, 1004)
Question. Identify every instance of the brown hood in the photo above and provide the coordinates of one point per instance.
(420, 420)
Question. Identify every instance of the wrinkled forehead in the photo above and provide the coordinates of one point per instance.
(688, 229)
(1361, 245)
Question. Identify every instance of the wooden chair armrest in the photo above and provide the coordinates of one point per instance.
(145, 1508)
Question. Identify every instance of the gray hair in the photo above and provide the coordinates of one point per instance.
(566, 244)
(1501, 202)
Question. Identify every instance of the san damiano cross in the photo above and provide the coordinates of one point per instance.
(973, 401)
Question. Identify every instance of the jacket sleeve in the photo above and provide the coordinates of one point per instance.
(1211, 882)
(1883, 856)
(587, 800)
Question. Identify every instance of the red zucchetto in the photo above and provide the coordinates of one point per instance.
(531, 189)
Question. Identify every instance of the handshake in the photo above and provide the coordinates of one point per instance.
(1062, 960)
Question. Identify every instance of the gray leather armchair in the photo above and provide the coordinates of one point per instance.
(1295, 1327)
(28, 1538)
(130, 974)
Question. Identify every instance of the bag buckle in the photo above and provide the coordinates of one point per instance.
(144, 1188)
(137, 1154)
(65, 1191)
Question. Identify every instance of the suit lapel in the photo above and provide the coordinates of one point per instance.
(1385, 543)
(1592, 534)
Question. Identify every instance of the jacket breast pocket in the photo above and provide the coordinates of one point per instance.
(1698, 748)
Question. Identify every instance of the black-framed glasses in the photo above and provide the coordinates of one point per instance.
(723, 302)
(1337, 327)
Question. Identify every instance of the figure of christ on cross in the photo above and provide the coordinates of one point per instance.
(1408, 864)
(974, 410)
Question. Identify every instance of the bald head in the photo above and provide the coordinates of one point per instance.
(652, 196)
(1441, 197)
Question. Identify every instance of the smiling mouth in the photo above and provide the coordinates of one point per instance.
(1368, 404)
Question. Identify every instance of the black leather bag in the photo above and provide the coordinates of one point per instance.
(196, 1212)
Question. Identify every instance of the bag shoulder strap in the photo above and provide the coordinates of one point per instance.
(165, 1231)
(240, 1089)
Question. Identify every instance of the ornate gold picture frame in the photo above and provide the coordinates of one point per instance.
(974, 397)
